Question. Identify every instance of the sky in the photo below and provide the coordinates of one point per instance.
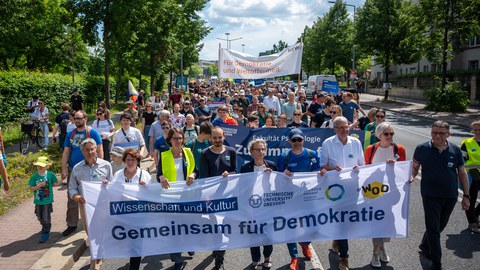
(260, 23)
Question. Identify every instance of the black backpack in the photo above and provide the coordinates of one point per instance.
(63, 124)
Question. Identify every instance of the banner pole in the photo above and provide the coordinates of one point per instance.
(218, 65)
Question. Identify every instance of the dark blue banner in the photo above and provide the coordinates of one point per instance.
(277, 140)
(330, 87)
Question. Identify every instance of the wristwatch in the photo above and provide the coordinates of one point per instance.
(466, 196)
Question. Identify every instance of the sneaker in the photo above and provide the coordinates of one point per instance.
(294, 264)
(335, 246)
(44, 237)
(343, 264)
(375, 263)
(473, 227)
(267, 264)
(306, 251)
(383, 255)
(69, 230)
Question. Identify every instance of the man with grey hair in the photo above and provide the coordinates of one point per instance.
(71, 156)
(156, 129)
(443, 167)
(91, 169)
(338, 152)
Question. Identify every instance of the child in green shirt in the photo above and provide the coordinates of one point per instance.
(41, 184)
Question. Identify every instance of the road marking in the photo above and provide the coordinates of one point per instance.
(316, 264)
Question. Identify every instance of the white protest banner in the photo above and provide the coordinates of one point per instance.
(243, 210)
(238, 65)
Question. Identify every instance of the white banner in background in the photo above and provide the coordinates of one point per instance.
(238, 65)
(243, 210)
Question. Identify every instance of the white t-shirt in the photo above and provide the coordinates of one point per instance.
(121, 178)
(70, 126)
(104, 127)
(32, 103)
(382, 154)
(260, 168)
(39, 114)
(179, 169)
(131, 139)
(272, 103)
(334, 153)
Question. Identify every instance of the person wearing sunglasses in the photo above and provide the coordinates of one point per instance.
(338, 152)
(335, 111)
(383, 151)
(160, 144)
(298, 159)
(470, 148)
(105, 127)
(380, 115)
(297, 120)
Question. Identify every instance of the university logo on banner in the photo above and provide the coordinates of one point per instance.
(238, 65)
(244, 210)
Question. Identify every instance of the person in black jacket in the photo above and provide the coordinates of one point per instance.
(258, 150)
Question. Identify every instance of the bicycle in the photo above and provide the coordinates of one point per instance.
(32, 134)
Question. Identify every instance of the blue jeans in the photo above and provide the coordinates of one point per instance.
(44, 127)
(293, 250)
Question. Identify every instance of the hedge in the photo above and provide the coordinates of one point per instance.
(18, 87)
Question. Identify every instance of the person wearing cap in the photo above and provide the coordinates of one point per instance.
(105, 127)
(72, 155)
(41, 184)
(318, 105)
(298, 159)
(187, 108)
(132, 112)
(117, 163)
(31, 106)
(338, 152)
(272, 102)
(128, 136)
(243, 102)
(92, 169)
(203, 113)
(76, 100)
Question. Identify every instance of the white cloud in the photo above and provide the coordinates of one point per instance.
(259, 23)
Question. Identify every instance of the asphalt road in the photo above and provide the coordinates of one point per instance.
(461, 249)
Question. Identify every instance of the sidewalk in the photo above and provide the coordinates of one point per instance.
(20, 230)
(416, 108)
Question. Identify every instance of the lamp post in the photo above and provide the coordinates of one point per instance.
(353, 46)
(229, 41)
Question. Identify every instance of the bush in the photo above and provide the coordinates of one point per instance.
(452, 99)
(20, 169)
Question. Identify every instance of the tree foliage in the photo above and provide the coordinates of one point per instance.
(280, 46)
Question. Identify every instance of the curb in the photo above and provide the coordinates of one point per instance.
(63, 254)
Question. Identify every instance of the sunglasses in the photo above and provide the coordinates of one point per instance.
(389, 133)
(100, 113)
(297, 140)
(165, 128)
(380, 116)
(333, 112)
(78, 118)
(297, 114)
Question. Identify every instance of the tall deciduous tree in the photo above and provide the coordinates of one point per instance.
(383, 28)
(446, 26)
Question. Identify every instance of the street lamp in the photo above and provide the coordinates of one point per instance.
(353, 47)
(229, 41)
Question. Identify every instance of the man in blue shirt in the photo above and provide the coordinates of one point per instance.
(298, 159)
(442, 164)
(349, 108)
(72, 154)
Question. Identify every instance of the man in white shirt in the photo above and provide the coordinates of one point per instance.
(272, 102)
(338, 152)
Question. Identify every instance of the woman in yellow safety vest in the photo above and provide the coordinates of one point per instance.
(471, 152)
(176, 164)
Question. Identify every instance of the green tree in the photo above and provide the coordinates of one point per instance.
(276, 48)
(383, 28)
(446, 26)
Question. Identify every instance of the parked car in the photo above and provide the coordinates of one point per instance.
(315, 83)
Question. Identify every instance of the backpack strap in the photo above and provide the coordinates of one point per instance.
(372, 151)
(75, 131)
